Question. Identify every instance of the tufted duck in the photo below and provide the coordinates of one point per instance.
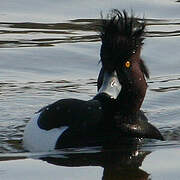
(115, 110)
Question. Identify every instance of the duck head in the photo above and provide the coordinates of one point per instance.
(122, 40)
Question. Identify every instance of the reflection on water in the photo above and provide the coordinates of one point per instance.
(120, 163)
(163, 28)
(168, 83)
(78, 30)
(79, 86)
(166, 89)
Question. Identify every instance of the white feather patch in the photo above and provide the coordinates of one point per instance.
(38, 140)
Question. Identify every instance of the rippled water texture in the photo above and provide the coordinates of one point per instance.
(50, 50)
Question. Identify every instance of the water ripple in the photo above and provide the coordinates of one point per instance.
(27, 34)
(171, 83)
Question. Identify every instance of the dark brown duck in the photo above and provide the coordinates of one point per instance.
(114, 113)
(122, 40)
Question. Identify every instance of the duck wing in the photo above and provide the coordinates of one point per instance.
(74, 113)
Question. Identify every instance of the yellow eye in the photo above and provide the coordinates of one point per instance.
(127, 64)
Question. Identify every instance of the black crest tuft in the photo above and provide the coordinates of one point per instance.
(121, 35)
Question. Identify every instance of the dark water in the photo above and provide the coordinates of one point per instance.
(50, 50)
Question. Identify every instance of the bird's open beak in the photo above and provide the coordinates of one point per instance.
(110, 85)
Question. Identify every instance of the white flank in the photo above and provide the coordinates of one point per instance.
(38, 140)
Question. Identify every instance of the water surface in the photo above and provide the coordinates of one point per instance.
(50, 50)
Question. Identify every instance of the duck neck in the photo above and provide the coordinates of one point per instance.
(132, 95)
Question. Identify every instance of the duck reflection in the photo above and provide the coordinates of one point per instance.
(119, 162)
